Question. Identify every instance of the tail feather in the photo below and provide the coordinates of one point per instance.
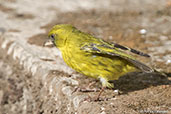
(145, 68)
(141, 66)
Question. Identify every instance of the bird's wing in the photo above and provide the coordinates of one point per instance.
(124, 48)
(115, 50)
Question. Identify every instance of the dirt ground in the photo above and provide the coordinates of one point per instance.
(140, 93)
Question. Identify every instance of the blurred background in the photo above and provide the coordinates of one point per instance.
(26, 82)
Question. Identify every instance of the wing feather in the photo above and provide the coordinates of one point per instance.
(113, 51)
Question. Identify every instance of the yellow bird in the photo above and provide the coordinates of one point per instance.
(95, 57)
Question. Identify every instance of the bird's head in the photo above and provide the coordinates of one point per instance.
(58, 35)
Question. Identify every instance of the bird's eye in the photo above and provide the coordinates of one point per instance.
(52, 36)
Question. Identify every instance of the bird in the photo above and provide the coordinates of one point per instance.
(95, 57)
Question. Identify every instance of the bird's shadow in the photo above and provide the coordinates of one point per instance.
(138, 81)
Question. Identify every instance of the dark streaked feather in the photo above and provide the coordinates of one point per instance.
(130, 49)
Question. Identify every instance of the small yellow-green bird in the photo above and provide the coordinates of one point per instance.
(95, 57)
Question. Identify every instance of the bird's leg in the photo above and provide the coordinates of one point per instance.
(87, 89)
(98, 96)
(105, 84)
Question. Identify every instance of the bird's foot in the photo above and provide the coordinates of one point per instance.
(85, 90)
(95, 99)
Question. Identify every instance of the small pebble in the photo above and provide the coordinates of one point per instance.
(111, 103)
(102, 108)
(143, 31)
(110, 37)
(168, 61)
(116, 91)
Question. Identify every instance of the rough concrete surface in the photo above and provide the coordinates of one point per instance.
(34, 79)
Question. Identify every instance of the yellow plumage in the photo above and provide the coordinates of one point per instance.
(94, 57)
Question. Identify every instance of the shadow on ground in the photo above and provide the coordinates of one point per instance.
(138, 81)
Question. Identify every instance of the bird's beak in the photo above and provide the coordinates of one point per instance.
(48, 43)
